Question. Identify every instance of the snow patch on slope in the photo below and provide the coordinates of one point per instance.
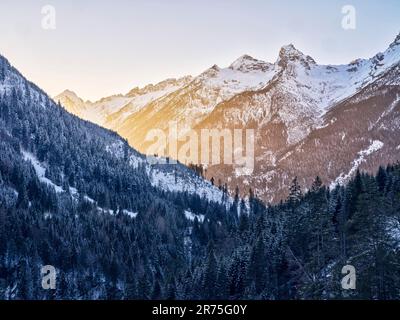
(387, 111)
(393, 229)
(233, 80)
(40, 171)
(130, 214)
(343, 178)
(137, 103)
(169, 181)
(191, 216)
(116, 149)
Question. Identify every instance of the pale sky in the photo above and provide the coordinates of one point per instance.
(104, 47)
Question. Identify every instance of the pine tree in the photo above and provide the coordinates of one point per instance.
(294, 192)
(2, 70)
(258, 266)
(221, 286)
(156, 291)
(210, 272)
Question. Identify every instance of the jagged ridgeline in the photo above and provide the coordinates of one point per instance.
(308, 118)
(77, 197)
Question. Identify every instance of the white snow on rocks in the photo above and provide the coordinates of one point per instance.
(393, 229)
(130, 214)
(171, 182)
(343, 178)
(191, 216)
(116, 149)
(41, 171)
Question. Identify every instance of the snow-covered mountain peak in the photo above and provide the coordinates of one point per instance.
(70, 94)
(247, 63)
(134, 92)
(289, 54)
(396, 41)
(242, 59)
(210, 72)
(394, 47)
(245, 73)
(71, 102)
(70, 99)
(163, 85)
(383, 61)
(288, 50)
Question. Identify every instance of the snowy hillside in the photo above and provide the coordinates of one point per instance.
(14, 87)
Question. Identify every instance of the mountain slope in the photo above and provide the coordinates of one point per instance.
(101, 168)
(72, 191)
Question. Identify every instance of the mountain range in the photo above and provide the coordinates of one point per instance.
(308, 119)
(116, 225)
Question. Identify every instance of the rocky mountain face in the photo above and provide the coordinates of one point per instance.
(308, 119)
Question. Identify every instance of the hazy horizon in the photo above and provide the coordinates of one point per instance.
(116, 47)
